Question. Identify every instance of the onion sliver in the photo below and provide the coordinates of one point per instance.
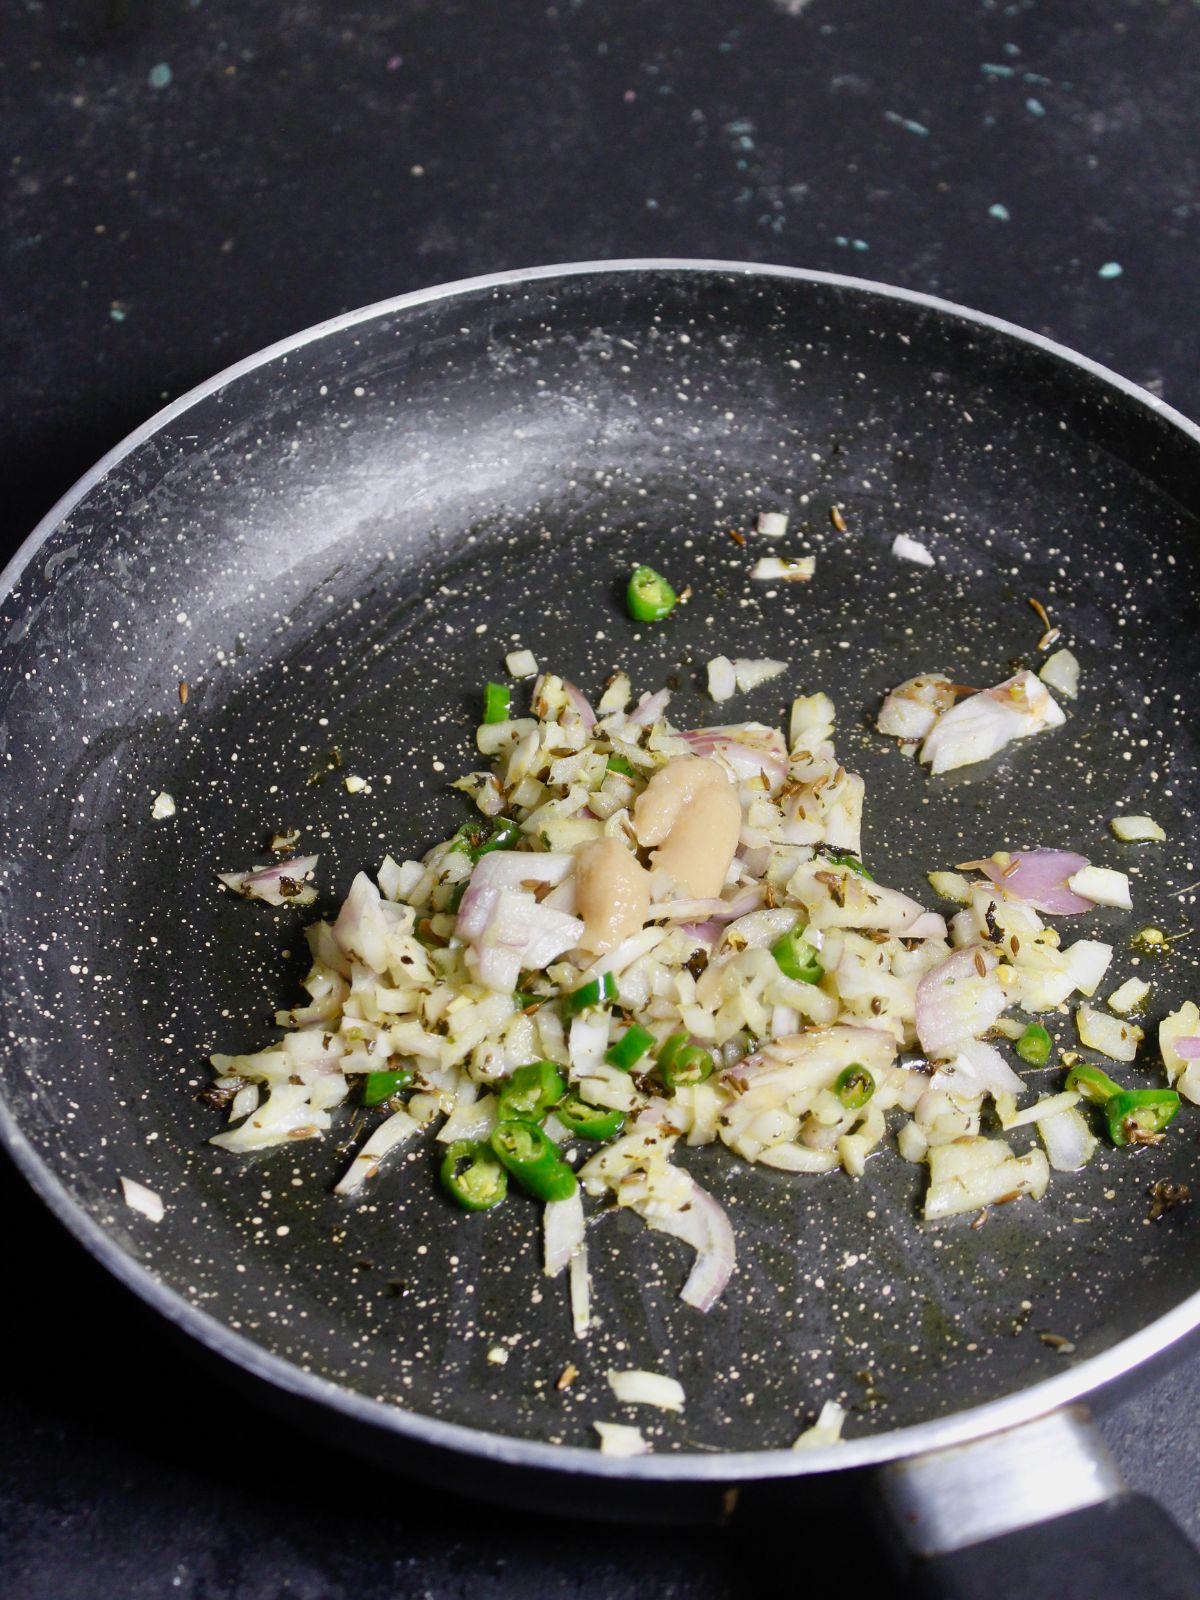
(1039, 877)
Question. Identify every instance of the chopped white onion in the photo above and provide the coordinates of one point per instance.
(1061, 672)
(580, 1285)
(1130, 997)
(979, 726)
(1070, 1143)
(827, 1429)
(784, 569)
(619, 1439)
(138, 1198)
(163, 807)
(1109, 1035)
(772, 524)
(394, 1130)
(749, 674)
(972, 1173)
(562, 1226)
(1102, 886)
(1137, 830)
(637, 1388)
(521, 664)
(722, 680)
(906, 549)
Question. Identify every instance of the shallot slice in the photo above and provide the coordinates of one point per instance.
(702, 1223)
(1039, 878)
(280, 884)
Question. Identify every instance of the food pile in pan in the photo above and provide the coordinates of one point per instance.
(650, 937)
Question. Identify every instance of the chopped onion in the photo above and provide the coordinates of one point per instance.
(1039, 878)
(1070, 1143)
(910, 710)
(280, 884)
(580, 1286)
(907, 549)
(1048, 1106)
(1109, 1035)
(1102, 886)
(650, 707)
(521, 664)
(827, 1429)
(619, 1439)
(772, 524)
(138, 1198)
(1179, 1046)
(1061, 672)
(972, 1173)
(637, 1388)
(1131, 996)
(977, 1069)
(702, 1223)
(950, 886)
(784, 569)
(749, 674)
(979, 726)
(1137, 830)
(163, 807)
(1087, 960)
(563, 1230)
(394, 1130)
(580, 704)
(956, 1002)
(722, 680)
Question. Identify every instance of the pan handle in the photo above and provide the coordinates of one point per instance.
(1035, 1511)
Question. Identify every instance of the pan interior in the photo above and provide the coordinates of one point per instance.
(336, 550)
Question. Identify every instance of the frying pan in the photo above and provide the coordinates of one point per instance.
(333, 545)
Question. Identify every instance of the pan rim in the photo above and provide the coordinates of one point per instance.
(680, 1467)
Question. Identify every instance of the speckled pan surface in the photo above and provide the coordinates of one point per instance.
(336, 547)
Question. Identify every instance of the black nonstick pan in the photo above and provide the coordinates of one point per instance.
(333, 545)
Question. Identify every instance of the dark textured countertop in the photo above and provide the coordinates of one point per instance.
(188, 180)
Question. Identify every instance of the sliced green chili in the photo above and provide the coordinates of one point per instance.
(530, 1092)
(649, 596)
(472, 1176)
(586, 1121)
(796, 958)
(845, 858)
(601, 991)
(854, 1086)
(497, 700)
(478, 837)
(381, 1086)
(1092, 1084)
(692, 1063)
(1035, 1045)
(532, 1158)
(1138, 1116)
(629, 1048)
(621, 765)
(680, 1063)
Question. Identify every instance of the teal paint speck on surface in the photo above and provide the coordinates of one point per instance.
(1110, 269)
(159, 76)
(1001, 213)
(1035, 108)
(117, 313)
(991, 70)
